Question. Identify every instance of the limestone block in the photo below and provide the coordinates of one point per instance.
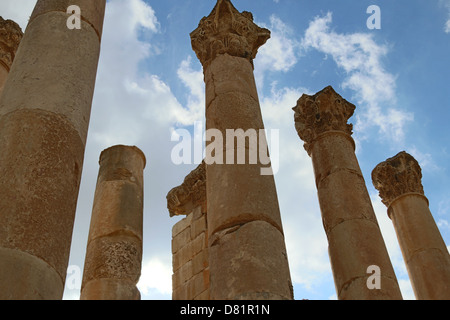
(245, 270)
(116, 257)
(110, 289)
(182, 239)
(228, 74)
(244, 196)
(181, 225)
(333, 151)
(186, 253)
(355, 245)
(338, 204)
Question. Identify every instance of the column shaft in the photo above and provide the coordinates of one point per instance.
(44, 117)
(426, 256)
(114, 251)
(355, 240)
(247, 251)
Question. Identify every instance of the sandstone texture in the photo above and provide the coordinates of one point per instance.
(399, 181)
(44, 117)
(244, 229)
(114, 251)
(354, 237)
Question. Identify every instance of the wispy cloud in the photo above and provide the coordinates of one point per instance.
(446, 5)
(361, 57)
(280, 52)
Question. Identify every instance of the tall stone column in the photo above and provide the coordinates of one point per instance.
(247, 251)
(399, 181)
(114, 251)
(354, 237)
(10, 36)
(44, 117)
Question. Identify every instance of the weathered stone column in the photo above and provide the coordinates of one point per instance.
(44, 116)
(399, 181)
(247, 251)
(354, 237)
(10, 36)
(114, 250)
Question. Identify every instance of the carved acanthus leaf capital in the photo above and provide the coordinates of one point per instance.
(191, 193)
(226, 30)
(10, 36)
(325, 111)
(397, 176)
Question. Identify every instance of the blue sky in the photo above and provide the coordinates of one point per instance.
(150, 83)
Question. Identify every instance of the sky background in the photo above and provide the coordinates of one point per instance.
(150, 83)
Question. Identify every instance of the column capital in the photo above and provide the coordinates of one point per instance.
(326, 111)
(397, 176)
(190, 194)
(226, 30)
(10, 36)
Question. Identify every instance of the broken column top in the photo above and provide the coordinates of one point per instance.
(397, 176)
(320, 113)
(105, 153)
(10, 36)
(226, 30)
(192, 193)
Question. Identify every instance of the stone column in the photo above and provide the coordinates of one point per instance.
(10, 36)
(114, 250)
(247, 251)
(399, 181)
(354, 237)
(44, 117)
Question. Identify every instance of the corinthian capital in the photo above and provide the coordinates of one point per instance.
(397, 176)
(226, 30)
(10, 37)
(325, 111)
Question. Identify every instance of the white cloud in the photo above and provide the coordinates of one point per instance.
(425, 160)
(279, 54)
(193, 80)
(361, 58)
(446, 5)
(156, 278)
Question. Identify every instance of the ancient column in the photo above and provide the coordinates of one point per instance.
(114, 250)
(356, 245)
(247, 251)
(44, 117)
(10, 36)
(399, 181)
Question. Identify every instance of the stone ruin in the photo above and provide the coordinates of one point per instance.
(230, 245)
